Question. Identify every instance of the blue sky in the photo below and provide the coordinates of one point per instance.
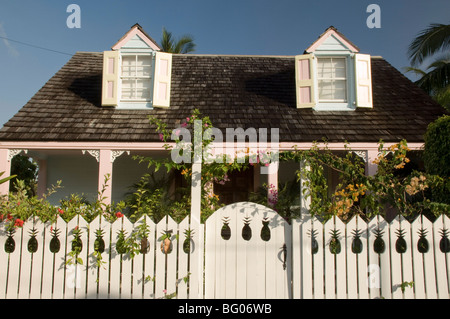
(260, 27)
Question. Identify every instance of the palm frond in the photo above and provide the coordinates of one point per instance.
(184, 44)
(437, 78)
(3, 180)
(429, 41)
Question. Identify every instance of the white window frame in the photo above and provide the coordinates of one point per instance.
(333, 79)
(136, 103)
(349, 104)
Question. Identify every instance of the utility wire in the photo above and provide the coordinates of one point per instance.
(35, 46)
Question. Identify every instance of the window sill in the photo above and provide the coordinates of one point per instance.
(334, 106)
(135, 105)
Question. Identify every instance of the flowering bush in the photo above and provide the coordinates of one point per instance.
(19, 207)
(359, 194)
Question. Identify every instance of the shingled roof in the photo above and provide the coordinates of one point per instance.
(234, 91)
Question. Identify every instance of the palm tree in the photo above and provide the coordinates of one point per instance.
(435, 80)
(428, 42)
(184, 44)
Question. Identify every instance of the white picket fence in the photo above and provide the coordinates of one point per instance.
(368, 272)
(225, 259)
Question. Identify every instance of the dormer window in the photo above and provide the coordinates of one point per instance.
(135, 74)
(333, 75)
(136, 78)
(332, 79)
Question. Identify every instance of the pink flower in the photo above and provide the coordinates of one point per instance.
(161, 136)
(206, 124)
(164, 291)
(177, 132)
(183, 124)
(187, 119)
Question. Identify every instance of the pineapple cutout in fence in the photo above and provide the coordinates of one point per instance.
(187, 244)
(246, 230)
(32, 242)
(77, 244)
(225, 232)
(357, 244)
(166, 242)
(400, 244)
(99, 243)
(121, 243)
(379, 245)
(10, 244)
(265, 230)
(422, 243)
(444, 243)
(55, 244)
(314, 245)
(335, 244)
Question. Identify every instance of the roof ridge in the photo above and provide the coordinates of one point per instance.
(236, 55)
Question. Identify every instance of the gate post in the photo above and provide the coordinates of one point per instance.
(196, 277)
(305, 199)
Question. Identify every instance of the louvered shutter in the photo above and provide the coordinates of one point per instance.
(110, 80)
(163, 73)
(304, 80)
(363, 76)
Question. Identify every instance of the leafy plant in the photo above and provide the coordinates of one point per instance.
(77, 247)
(4, 180)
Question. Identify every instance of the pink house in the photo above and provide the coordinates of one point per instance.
(91, 117)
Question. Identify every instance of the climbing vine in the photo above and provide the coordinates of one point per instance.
(363, 195)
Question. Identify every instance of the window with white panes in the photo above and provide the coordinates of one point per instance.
(136, 78)
(332, 79)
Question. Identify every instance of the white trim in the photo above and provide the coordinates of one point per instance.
(159, 146)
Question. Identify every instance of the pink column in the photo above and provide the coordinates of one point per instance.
(272, 181)
(105, 167)
(5, 166)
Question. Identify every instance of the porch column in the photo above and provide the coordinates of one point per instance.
(272, 180)
(196, 260)
(305, 199)
(105, 166)
(5, 166)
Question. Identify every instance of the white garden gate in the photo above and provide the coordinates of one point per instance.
(247, 253)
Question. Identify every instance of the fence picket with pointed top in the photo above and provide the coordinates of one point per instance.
(442, 259)
(183, 259)
(36, 278)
